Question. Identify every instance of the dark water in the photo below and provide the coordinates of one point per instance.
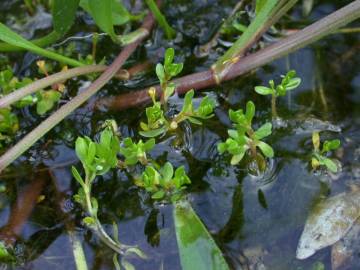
(226, 198)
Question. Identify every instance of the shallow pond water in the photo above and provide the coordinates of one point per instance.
(256, 221)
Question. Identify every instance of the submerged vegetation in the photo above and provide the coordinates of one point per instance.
(150, 162)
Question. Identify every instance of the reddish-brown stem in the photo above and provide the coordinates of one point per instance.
(22, 208)
(206, 79)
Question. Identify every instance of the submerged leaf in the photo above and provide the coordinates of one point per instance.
(197, 248)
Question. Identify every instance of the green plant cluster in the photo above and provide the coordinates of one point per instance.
(165, 182)
(244, 139)
(157, 121)
(319, 155)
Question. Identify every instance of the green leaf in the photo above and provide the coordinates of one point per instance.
(263, 131)
(47, 101)
(14, 39)
(294, 83)
(153, 132)
(100, 11)
(158, 195)
(167, 172)
(331, 145)
(149, 144)
(90, 154)
(81, 148)
(331, 165)
(250, 111)
(77, 176)
(197, 248)
(120, 15)
(169, 57)
(63, 12)
(222, 147)
(262, 90)
(237, 158)
(233, 134)
(160, 72)
(188, 107)
(194, 121)
(174, 69)
(266, 149)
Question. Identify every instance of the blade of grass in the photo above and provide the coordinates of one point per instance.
(269, 14)
(12, 38)
(160, 18)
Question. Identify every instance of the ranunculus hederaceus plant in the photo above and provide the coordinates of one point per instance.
(244, 139)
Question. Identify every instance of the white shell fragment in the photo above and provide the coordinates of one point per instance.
(328, 222)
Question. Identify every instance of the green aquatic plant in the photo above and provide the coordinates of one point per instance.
(98, 158)
(319, 155)
(244, 138)
(164, 182)
(289, 82)
(157, 122)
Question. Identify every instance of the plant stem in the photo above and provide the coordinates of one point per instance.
(78, 251)
(65, 110)
(271, 12)
(273, 107)
(98, 228)
(160, 18)
(41, 42)
(277, 50)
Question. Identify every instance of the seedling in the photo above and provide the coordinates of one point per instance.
(319, 156)
(289, 82)
(166, 72)
(164, 183)
(244, 139)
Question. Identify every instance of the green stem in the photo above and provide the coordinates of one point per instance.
(78, 251)
(160, 18)
(41, 42)
(98, 228)
(271, 12)
(273, 107)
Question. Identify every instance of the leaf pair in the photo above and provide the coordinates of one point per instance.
(288, 83)
(204, 111)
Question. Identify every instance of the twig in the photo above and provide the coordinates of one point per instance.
(277, 50)
(65, 110)
(22, 92)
